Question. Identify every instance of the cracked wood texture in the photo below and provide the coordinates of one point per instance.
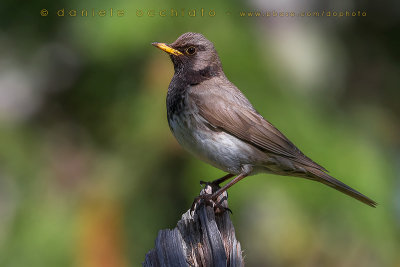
(203, 238)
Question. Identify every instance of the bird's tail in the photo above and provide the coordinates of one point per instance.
(325, 178)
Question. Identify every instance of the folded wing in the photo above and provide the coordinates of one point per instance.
(245, 123)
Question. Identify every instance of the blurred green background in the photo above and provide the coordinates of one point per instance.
(89, 171)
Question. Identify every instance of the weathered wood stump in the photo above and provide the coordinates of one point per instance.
(201, 238)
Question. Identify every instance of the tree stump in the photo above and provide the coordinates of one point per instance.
(201, 238)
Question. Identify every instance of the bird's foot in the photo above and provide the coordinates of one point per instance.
(209, 200)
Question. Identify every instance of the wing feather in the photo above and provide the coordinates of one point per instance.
(241, 120)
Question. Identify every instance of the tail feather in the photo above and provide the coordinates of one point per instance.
(325, 178)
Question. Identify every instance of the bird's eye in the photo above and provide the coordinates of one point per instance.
(191, 50)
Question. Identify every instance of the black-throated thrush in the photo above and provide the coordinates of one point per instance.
(211, 118)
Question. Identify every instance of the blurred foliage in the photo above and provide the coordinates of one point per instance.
(89, 171)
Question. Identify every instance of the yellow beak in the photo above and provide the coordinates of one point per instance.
(167, 49)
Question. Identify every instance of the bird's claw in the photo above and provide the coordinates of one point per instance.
(208, 200)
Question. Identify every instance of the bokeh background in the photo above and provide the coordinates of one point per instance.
(89, 171)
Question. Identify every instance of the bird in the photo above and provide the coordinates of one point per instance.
(212, 119)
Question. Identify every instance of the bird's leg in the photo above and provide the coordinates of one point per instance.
(217, 193)
(217, 182)
(211, 199)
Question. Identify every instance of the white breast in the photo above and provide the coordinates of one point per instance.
(217, 148)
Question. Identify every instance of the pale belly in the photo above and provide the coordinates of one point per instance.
(217, 148)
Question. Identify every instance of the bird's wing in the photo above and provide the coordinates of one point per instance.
(238, 118)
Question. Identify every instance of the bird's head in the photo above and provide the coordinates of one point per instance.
(192, 52)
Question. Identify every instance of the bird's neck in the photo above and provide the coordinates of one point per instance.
(190, 76)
